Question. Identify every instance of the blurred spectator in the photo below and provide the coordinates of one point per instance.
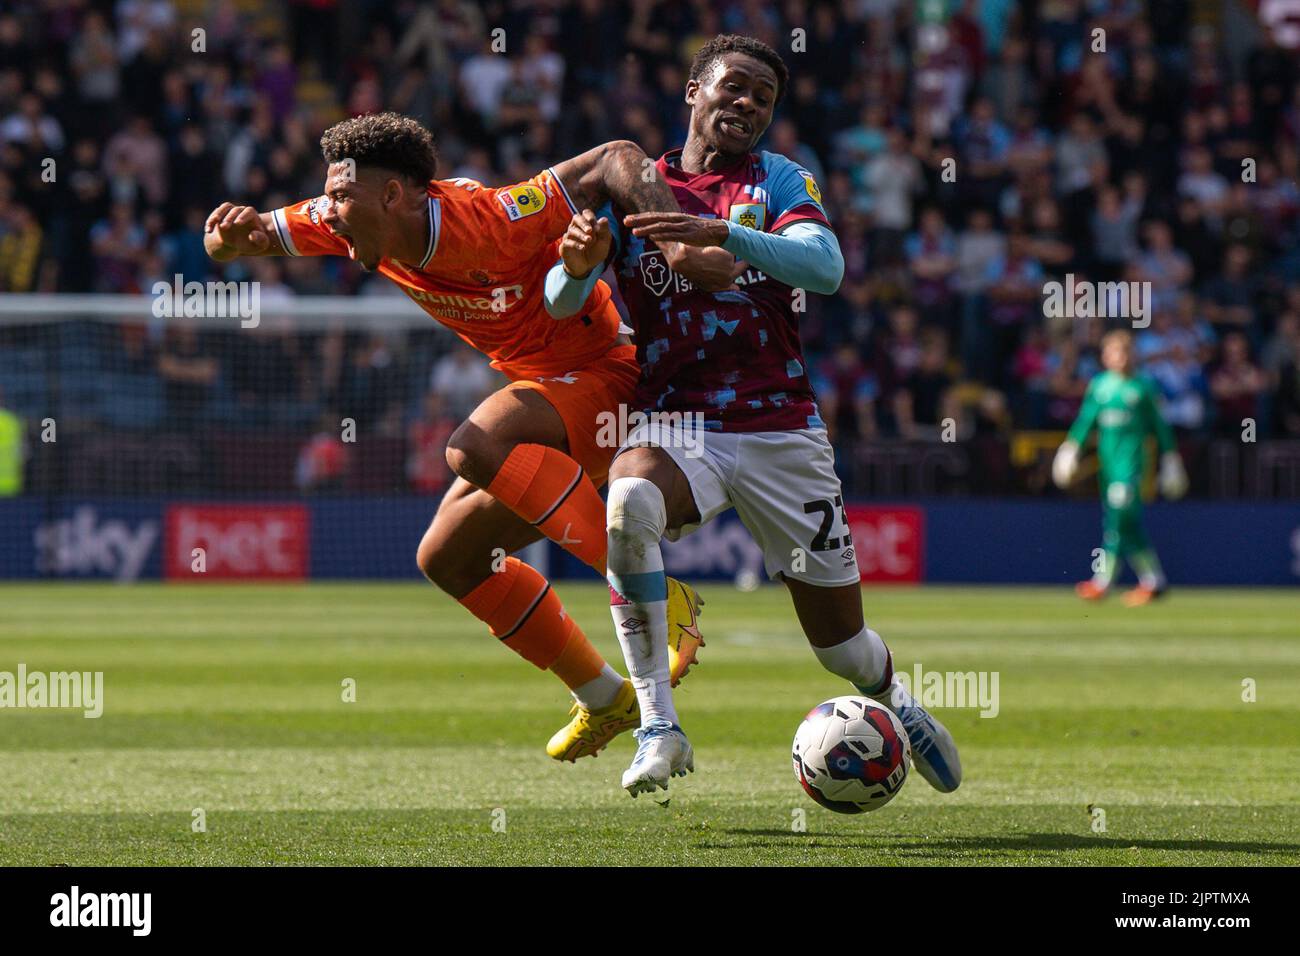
(893, 178)
(20, 247)
(369, 392)
(1031, 372)
(426, 440)
(1167, 268)
(119, 247)
(1070, 368)
(12, 451)
(847, 391)
(1169, 356)
(925, 398)
(1114, 231)
(1014, 292)
(979, 247)
(94, 60)
(1287, 408)
(189, 371)
(932, 257)
(483, 81)
(1230, 297)
(983, 144)
(139, 155)
(32, 128)
(1237, 385)
(462, 379)
(1283, 348)
(1047, 241)
(324, 460)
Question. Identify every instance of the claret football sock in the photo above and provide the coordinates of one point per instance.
(524, 613)
(863, 660)
(550, 491)
(638, 591)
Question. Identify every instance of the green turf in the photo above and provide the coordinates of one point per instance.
(228, 699)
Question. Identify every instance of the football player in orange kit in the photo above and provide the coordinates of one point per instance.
(527, 459)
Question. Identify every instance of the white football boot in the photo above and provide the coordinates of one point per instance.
(934, 752)
(662, 752)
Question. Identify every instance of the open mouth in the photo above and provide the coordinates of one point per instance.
(735, 126)
(352, 249)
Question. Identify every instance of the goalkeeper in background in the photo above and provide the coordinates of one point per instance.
(1122, 405)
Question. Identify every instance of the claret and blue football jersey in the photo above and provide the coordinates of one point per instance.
(734, 356)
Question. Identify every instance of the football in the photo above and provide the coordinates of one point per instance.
(851, 754)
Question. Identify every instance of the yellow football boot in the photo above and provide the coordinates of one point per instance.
(588, 731)
(684, 639)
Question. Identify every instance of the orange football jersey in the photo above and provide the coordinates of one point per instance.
(484, 272)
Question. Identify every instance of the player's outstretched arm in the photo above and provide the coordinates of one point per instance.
(620, 172)
(232, 231)
(804, 255)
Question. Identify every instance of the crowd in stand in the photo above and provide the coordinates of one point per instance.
(965, 161)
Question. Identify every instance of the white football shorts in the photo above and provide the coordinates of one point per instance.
(784, 489)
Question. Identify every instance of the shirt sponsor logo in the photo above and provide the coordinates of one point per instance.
(454, 305)
(316, 208)
(655, 272)
(521, 201)
(658, 278)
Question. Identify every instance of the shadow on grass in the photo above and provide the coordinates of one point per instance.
(1001, 844)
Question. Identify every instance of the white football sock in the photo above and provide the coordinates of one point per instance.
(599, 692)
(862, 660)
(1105, 573)
(1147, 565)
(636, 517)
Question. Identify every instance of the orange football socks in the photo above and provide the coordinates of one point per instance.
(521, 609)
(549, 490)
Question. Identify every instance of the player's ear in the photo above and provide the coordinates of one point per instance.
(393, 193)
(692, 88)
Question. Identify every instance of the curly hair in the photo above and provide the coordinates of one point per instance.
(734, 43)
(384, 140)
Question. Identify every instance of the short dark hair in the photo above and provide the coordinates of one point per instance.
(385, 140)
(734, 43)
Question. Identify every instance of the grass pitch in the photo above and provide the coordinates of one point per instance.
(229, 700)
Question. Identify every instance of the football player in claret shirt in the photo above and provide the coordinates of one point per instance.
(529, 459)
(730, 360)
(1121, 406)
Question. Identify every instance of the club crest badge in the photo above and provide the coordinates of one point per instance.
(751, 215)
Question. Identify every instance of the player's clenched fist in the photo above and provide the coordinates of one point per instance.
(585, 245)
(232, 231)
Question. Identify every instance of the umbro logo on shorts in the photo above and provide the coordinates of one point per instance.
(847, 555)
